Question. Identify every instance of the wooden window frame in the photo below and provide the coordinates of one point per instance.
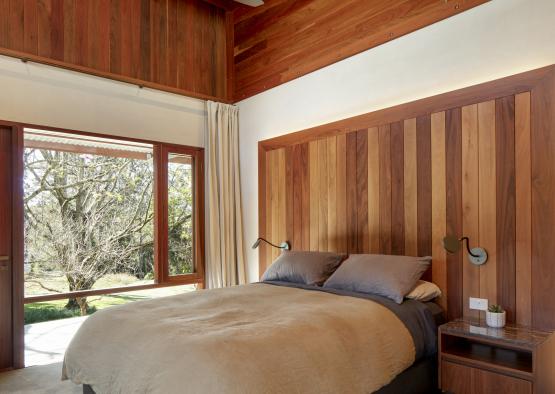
(160, 161)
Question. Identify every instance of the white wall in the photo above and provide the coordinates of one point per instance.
(49, 96)
(494, 40)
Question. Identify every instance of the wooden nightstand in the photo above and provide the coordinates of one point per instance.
(476, 359)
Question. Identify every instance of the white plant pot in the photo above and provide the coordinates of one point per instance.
(496, 319)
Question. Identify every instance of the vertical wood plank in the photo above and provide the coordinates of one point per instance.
(44, 27)
(410, 193)
(506, 208)
(332, 193)
(116, 27)
(470, 211)
(424, 184)
(297, 185)
(487, 199)
(385, 188)
(70, 37)
(314, 177)
(81, 33)
(543, 203)
(281, 199)
(397, 189)
(266, 250)
(453, 184)
(341, 178)
(289, 196)
(16, 25)
(30, 40)
(323, 195)
(523, 197)
(57, 30)
(351, 189)
(374, 190)
(362, 191)
(305, 197)
(438, 204)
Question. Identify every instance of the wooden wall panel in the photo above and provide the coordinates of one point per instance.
(470, 193)
(285, 39)
(373, 190)
(506, 208)
(523, 197)
(385, 188)
(397, 189)
(483, 168)
(424, 179)
(174, 45)
(410, 192)
(438, 204)
(487, 199)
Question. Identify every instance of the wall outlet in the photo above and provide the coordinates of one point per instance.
(480, 304)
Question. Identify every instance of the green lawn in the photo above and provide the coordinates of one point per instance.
(54, 310)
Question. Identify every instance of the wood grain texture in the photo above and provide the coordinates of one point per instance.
(341, 215)
(410, 193)
(543, 203)
(332, 193)
(179, 46)
(373, 190)
(453, 187)
(351, 198)
(506, 207)
(314, 177)
(397, 189)
(363, 241)
(385, 189)
(322, 195)
(523, 197)
(482, 169)
(439, 205)
(470, 193)
(424, 185)
(487, 199)
(285, 39)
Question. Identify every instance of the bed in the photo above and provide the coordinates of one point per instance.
(270, 337)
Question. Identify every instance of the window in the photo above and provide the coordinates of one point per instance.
(104, 215)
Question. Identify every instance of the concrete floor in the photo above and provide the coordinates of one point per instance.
(41, 379)
(46, 343)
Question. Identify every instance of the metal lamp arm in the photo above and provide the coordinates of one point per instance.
(468, 246)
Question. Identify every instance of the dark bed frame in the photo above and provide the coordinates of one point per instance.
(419, 378)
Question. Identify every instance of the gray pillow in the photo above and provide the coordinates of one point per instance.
(388, 276)
(311, 268)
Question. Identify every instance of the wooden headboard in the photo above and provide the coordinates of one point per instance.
(478, 162)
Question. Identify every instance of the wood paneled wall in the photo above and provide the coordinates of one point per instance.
(285, 39)
(173, 45)
(477, 162)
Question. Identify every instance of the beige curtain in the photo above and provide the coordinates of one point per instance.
(225, 262)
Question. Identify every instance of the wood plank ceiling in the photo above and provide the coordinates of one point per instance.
(209, 49)
(285, 39)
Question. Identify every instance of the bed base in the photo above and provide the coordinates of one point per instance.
(419, 378)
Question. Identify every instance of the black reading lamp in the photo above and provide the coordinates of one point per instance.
(476, 256)
(284, 245)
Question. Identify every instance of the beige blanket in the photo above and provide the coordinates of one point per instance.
(255, 338)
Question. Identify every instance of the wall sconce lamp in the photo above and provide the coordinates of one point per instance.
(284, 245)
(476, 256)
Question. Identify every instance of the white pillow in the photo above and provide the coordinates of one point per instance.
(424, 291)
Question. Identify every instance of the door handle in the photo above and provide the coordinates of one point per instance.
(3, 263)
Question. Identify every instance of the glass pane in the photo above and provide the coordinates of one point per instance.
(180, 214)
(88, 214)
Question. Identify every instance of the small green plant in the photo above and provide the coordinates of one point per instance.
(495, 309)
